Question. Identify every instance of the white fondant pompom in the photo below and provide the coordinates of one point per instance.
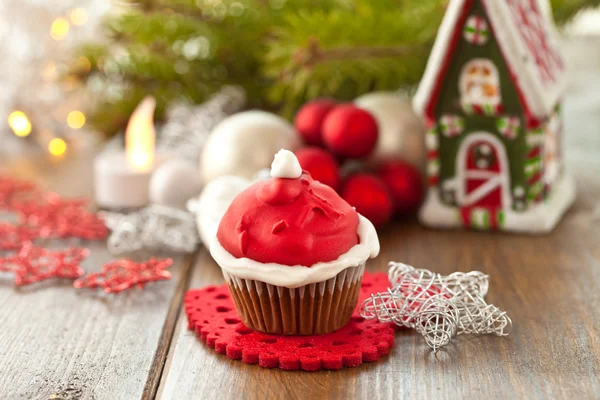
(285, 165)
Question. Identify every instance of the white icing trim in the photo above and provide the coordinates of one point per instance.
(544, 216)
(298, 275)
(285, 165)
(438, 214)
(540, 98)
(539, 218)
(438, 54)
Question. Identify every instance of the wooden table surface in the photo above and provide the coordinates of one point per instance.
(57, 343)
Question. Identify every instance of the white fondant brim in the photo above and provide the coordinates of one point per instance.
(299, 275)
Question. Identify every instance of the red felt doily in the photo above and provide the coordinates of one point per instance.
(212, 316)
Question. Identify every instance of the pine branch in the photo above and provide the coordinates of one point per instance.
(314, 53)
(282, 52)
(564, 10)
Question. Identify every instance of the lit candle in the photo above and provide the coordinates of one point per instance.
(140, 136)
(122, 179)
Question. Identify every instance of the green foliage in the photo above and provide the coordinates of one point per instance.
(284, 52)
(564, 10)
(362, 48)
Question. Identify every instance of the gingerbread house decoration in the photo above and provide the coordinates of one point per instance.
(490, 97)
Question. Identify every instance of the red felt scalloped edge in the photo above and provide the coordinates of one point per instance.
(212, 316)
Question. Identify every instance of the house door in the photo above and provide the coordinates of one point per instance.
(483, 181)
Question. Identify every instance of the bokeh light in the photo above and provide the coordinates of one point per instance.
(75, 119)
(59, 29)
(83, 64)
(78, 16)
(48, 72)
(57, 147)
(19, 123)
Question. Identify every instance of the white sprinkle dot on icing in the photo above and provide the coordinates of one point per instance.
(285, 165)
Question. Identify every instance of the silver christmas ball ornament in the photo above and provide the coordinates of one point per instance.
(245, 143)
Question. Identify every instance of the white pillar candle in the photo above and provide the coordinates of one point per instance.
(118, 184)
(122, 179)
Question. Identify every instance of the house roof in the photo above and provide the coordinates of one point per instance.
(528, 40)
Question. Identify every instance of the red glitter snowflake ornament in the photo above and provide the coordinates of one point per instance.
(69, 261)
(34, 264)
(121, 275)
(12, 237)
(11, 190)
(56, 217)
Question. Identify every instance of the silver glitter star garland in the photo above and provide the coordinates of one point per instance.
(153, 227)
(187, 128)
(438, 307)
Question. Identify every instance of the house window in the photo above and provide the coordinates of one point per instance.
(479, 85)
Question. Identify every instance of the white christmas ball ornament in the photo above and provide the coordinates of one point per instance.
(401, 131)
(173, 183)
(213, 202)
(245, 143)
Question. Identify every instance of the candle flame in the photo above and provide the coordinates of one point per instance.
(140, 135)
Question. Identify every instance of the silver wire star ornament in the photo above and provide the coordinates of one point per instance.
(154, 227)
(438, 307)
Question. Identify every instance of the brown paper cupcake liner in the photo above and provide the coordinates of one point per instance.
(312, 309)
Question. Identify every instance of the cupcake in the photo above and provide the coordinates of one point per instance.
(293, 253)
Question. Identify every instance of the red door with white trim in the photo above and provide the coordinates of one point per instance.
(483, 184)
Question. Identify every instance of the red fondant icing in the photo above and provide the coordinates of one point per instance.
(289, 222)
(212, 316)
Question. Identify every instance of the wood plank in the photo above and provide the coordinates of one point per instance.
(549, 284)
(59, 343)
(173, 314)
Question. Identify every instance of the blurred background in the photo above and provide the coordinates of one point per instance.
(75, 70)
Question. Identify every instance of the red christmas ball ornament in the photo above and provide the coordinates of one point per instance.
(371, 198)
(350, 131)
(405, 183)
(309, 120)
(321, 165)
